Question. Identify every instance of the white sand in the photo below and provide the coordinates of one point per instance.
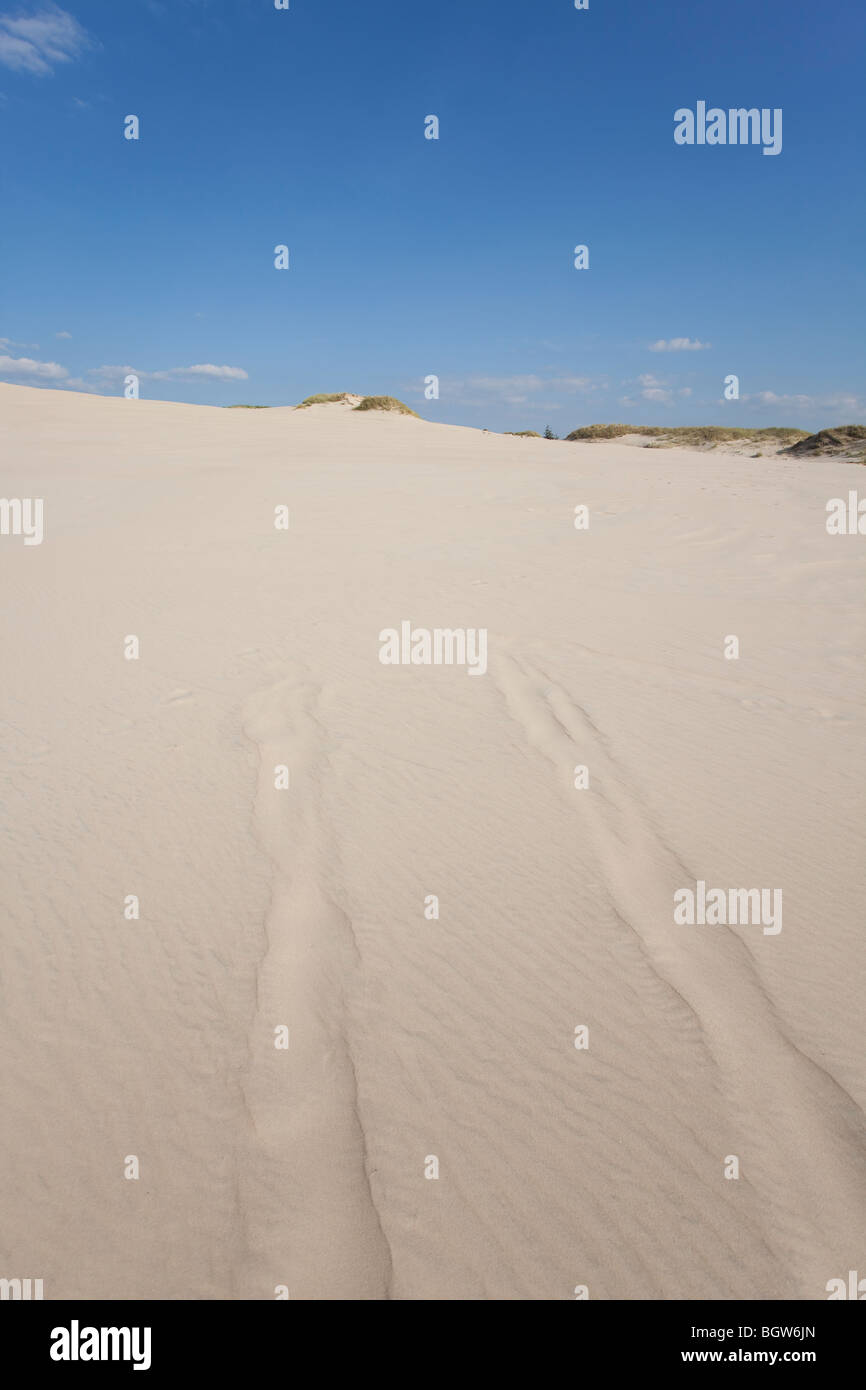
(304, 907)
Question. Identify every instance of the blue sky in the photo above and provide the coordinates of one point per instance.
(452, 257)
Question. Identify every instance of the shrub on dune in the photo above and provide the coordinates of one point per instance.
(323, 399)
(839, 439)
(684, 435)
(386, 403)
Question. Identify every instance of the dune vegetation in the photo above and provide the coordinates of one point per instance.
(689, 434)
(358, 402)
(323, 399)
(842, 439)
(386, 403)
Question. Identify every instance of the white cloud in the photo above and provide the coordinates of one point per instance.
(505, 385)
(108, 374)
(63, 335)
(204, 370)
(656, 393)
(840, 403)
(573, 383)
(678, 345)
(26, 366)
(653, 388)
(770, 398)
(513, 390)
(34, 43)
(845, 402)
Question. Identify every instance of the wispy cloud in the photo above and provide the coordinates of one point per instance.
(653, 388)
(512, 390)
(203, 369)
(206, 371)
(516, 389)
(678, 345)
(109, 374)
(843, 404)
(64, 334)
(656, 393)
(36, 42)
(578, 384)
(28, 366)
(770, 398)
(855, 405)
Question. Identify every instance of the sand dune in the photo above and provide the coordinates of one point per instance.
(413, 1037)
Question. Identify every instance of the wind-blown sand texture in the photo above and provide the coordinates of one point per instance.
(412, 1037)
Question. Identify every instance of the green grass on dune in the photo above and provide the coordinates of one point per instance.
(688, 434)
(591, 432)
(839, 439)
(710, 434)
(368, 402)
(323, 399)
(386, 403)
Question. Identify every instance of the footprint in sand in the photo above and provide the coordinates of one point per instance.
(177, 697)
